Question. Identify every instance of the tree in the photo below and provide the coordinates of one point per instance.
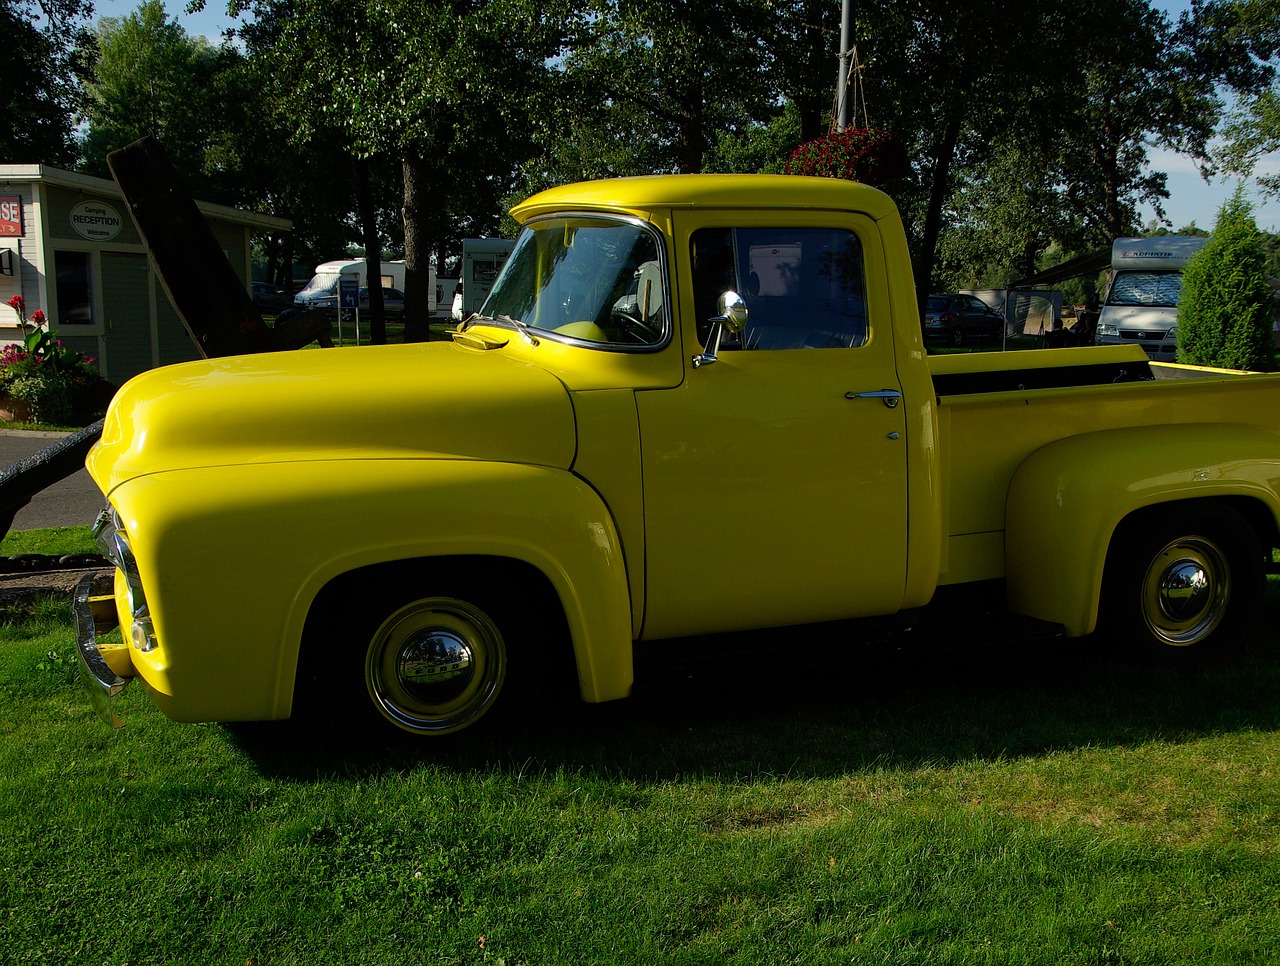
(46, 53)
(1142, 83)
(151, 78)
(653, 84)
(204, 103)
(1004, 215)
(1224, 317)
(1250, 31)
(209, 106)
(443, 88)
(1027, 131)
(951, 80)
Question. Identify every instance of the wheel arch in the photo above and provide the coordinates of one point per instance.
(1068, 500)
(603, 666)
(520, 583)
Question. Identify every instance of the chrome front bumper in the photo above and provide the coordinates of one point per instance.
(95, 614)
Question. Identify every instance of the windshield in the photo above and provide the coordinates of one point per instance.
(591, 279)
(325, 284)
(1147, 288)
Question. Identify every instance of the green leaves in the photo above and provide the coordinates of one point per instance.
(45, 57)
(1224, 318)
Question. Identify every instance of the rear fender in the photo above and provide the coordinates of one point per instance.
(1067, 498)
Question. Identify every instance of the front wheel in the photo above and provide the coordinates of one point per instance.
(435, 666)
(1182, 589)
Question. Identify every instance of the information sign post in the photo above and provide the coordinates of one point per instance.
(348, 298)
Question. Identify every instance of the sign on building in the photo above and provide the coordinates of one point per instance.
(10, 216)
(96, 221)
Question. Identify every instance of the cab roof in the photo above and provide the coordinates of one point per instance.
(709, 191)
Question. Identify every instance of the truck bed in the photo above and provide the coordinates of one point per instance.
(995, 409)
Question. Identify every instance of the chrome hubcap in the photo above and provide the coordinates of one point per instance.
(435, 666)
(1186, 590)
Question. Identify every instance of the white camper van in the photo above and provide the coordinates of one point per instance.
(1142, 298)
(322, 290)
(482, 260)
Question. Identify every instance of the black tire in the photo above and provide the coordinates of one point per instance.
(957, 336)
(427, 651)
(1180, 587)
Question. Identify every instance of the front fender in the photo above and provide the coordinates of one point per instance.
(233, 557)
(1067, 498)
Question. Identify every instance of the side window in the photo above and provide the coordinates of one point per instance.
(805, 288)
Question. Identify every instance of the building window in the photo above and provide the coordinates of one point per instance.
(75, 290)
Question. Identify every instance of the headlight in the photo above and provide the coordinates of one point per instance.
(1110, 330)
(114, 541)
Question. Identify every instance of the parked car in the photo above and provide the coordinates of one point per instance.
(270, 298)
(392, 301)
(958, 319)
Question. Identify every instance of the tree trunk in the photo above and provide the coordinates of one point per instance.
(693, 139)
(814, 107)
(942, 158)
(272, 250)
(372, 252)
(417, 254)
(286, 262)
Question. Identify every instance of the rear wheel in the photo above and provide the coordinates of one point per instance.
(957, 336)
(1181, 590)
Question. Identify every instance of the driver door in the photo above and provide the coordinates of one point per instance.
(775, 490)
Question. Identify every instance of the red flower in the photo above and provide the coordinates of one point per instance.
(856, 154)
(37, 317)
(19, 305)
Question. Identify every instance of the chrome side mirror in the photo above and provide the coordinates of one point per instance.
(731, 314)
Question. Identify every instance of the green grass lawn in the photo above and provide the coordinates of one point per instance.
(54, 541)
(993, 807)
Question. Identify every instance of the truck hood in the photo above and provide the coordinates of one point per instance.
(428, 401)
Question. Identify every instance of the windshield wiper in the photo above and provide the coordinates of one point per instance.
(520, 325)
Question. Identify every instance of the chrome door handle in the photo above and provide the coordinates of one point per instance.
(890, 397)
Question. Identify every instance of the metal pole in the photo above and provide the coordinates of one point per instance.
(844, 98)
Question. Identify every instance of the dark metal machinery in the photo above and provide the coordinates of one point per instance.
(208, 296)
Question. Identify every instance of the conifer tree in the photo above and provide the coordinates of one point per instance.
(1226, 309)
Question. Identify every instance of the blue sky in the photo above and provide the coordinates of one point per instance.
(1190, 197)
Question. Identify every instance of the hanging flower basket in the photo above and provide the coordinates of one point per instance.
(863, 154)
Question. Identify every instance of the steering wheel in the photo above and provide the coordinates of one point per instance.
(630, 321)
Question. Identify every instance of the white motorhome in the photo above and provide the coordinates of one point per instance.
(323, 287)
(1142, 297)
(482, 260)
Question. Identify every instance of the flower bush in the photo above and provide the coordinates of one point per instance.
(60, 386)
(862, 154)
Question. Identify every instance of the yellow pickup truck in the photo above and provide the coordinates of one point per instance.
(690, 405)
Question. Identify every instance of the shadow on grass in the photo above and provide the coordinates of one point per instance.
(780, 718)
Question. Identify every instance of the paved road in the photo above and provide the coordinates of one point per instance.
(73, 502)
